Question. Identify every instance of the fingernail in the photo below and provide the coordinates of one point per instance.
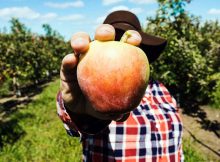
(78, 42)
(136, 37)
(106, 30)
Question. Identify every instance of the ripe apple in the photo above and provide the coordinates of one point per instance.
(113, 76)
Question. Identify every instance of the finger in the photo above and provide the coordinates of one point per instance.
(105, 32)
(68, 83)
(132, 37)
(68, 67)
(70, 91)
(80, 42)
(71, 95)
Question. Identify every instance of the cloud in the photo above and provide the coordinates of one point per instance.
(20, 12)
(73, 17)
(143, 1)
(29, 14)
(110, 2)
(136, 10)
(45, 18)
(100, 19)
(49, 16)
(214, 11)
(121, 7)
(77, 3)
(25, 13)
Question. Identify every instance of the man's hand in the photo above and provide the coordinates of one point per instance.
(73, 98)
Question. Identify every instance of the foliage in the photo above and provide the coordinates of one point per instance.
(191, 56)
(215, 94)
(27, 58)
(6, 87)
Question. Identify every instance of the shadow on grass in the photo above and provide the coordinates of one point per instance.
(196, 111)
(11, 106)
(207, 124)
(11, 131)
(202, 143)
(14, 103)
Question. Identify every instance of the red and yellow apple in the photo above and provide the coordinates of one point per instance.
(113, 76)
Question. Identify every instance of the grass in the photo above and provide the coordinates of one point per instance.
(190, 152)
(34, 133)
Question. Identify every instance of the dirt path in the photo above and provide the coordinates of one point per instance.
(203, 131)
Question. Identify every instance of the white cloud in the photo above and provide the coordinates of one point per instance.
(20, 12)
(143, 1)
(45, 18)
(214, 11)
(77, 3)
(29, 14)
(100, 19)
(49, 16)
(110, 2)
(134, 10)
(116, 8)
(25, 13)
(73, 17)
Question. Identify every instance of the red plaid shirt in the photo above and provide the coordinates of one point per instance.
(152, 132)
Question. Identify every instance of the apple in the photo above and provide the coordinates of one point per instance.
(113, 76)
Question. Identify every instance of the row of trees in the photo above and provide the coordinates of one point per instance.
(27, 58)
(190, 65)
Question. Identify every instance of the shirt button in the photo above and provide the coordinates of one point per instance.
(157, 126)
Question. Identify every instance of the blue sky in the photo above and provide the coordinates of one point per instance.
(70, 16)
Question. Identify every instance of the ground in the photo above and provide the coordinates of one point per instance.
(203, 130)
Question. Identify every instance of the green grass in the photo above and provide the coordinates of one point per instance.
(35, 133)
(190, 152)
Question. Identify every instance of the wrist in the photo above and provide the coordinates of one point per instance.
(88, 124)
(83, 122)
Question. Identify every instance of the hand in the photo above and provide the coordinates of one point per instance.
(71, 93)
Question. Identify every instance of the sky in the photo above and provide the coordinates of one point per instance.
(71, 16)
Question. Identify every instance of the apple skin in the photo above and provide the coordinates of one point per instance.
(113, 76)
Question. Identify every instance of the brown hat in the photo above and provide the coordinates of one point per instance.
(124, 20)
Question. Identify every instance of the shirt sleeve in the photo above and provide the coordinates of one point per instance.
(69, 125)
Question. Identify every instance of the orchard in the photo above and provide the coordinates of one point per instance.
(27, 59)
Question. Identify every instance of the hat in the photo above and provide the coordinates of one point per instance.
(124, 20)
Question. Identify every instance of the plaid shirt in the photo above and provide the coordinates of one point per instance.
(152, 132)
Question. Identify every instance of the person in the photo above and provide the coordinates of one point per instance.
(151, 132)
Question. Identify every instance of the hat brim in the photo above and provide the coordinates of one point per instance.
(153, 46)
